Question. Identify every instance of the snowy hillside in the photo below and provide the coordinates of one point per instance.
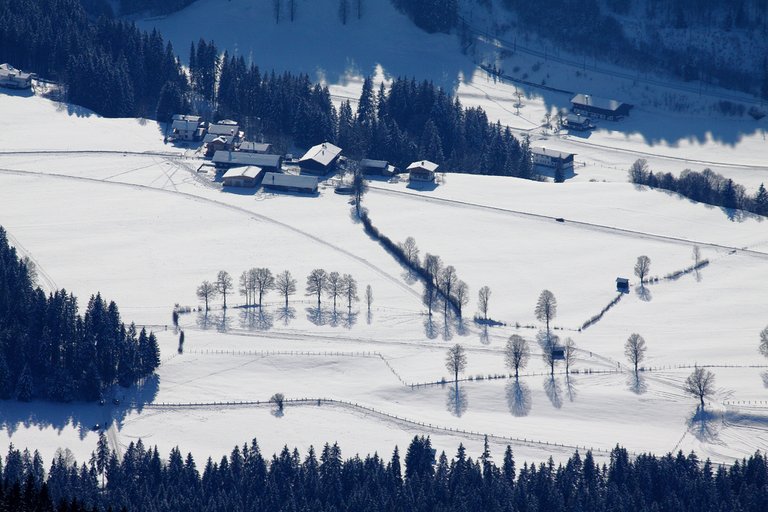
(147, 229)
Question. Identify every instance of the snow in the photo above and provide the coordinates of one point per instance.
(144, 228)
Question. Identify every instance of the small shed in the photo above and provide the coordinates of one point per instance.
(589, 105)
(376, 167)
(422, 170)
(622, 284)
(247, 176)
(290, 182)
(558, 353)
(577, 122)
(551, 158)
(255, 147)
(320, 159)
(228, 159)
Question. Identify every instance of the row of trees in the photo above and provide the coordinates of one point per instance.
(423, 480)
(255, 283)
(48, 350)
(705, 186)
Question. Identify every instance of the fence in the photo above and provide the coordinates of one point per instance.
(393, 417)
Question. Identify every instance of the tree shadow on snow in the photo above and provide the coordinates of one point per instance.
(644, 293)
(570, 387)
(317, 316)
(286, 314)
(764, 376)
(518, 398)
(83, 416)
(256, 319)
(637, 384)
(705, 426)
(554, 391)
(456, 401)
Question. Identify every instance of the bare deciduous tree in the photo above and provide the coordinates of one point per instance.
(334, 287)
(461, 294)
(447, 283)
(456, 361)
(206, 292)
(224, 285)
(349, 290)
(410, 250)
(359, 187)
(285, 285)
(263, 281)
(517, 353)
(369, 297)
(245, 287)
(546, 307)
(764, 342)
(635, 349)
(549, 346)
(638, 171)
(642, 267)
(316, 283)
(279, 400)
(433, 266)
(696, 255)
(430, 296)
(700, 384)
(483, 299)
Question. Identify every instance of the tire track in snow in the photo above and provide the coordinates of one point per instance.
(256, 216)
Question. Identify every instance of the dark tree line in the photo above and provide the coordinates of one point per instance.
(108, 66)
(705, 187)
(49, 351)
(248, 480)
(431, 15)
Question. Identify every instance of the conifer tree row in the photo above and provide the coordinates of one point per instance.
(49, 351)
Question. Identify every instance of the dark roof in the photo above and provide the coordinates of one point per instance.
(278, 179)
(373, 164)
(223, 129)
(324, 154)
(587, 100)
(255, 147)
(241, 158)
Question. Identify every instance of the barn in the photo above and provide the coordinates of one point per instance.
(247, 176)
(227, 159)
(423, 170)
(255, 147)
(551, 158)
(320, 159)
(377, 167)
(290, 182)
(588, 105)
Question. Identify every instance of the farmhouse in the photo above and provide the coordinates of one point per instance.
(214, 143)
(229, 159)
(551, 158)
(247, 176)
(254, 147)
(320, 159)
(588, 105)
(423, 170)
(577, 122)
(290, 182)
(186, 128)
(225, 127)
(13, 78)
(377, 168)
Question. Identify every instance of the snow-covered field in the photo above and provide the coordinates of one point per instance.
(146, 229)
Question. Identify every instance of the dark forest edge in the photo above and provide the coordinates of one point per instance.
(49, 351)
(246, 480)
(705, 187)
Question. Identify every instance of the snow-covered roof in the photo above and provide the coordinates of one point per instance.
(587, 100)
(186, 117)
(241, 158)
(373, 164)
(576, 119)
(223, 129)
(423, 164)
(277, 179)
(551, 153)
(9, 72)
(248, 171)
(185, 125)
(324, 154)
